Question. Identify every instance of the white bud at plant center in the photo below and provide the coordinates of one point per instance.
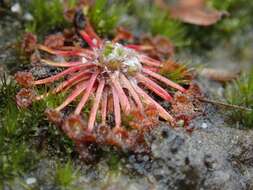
(125, 59)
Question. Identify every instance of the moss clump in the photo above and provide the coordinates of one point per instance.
(155, 21)
(21, 129)
(65, 175)
(241, 93)
(240, 10)
(114, 162)
(161, 24)
(238, 21)
(105, 16)
(47, 15)
(240, 16)
(178, 75)
(16, 156)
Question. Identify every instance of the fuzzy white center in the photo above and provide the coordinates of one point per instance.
(125, 59)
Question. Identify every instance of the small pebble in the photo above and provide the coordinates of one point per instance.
(31, 180)
(204, 125)
(28, 17)
(16, 8)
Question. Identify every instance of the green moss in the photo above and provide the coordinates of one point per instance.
(47, 15)
(155, 21)
(177, 76)
(241, 93)
(240, 15)
(114, 161)
(16, 156)
(238, 21)
(56, 140)
(66, 174)
(16, 159)
(19, 130)
(105, 17)
(161, 24)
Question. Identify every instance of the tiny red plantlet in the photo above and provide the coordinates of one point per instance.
(104, 70)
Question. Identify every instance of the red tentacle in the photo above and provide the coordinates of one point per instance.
(76, 52)
(154, 87)
(95, 106)
(62, 74)
(135, 96)
(162, 112)
(122, 96)
(104, 107)
(87, 38)
(149, 61)
(73, 96)
(86, 94)
(164, 80)
(116, 107)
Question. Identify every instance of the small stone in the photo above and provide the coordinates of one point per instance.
(16, 8)
(28, 17)
(31, 180)
(204, 125)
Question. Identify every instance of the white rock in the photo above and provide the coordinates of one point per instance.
(28, 17)
(204, 125)
(16, 8)
(31, 180)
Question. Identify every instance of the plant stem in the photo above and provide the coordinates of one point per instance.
(224, 104)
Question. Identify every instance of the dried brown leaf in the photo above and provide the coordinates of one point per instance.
(157, 47)
(219, 74)
(193, 12)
